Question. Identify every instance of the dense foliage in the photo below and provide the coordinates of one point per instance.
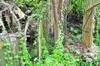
(51, 53)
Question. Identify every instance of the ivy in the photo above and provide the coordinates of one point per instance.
(23, 52)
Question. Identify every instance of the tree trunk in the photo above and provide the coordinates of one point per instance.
(55, 16)
(91, 50)
(88, 23)
(40, 41)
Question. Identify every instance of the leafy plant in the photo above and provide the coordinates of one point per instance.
(8, 54)
(78, 5)
(23, 54)
(97, 34)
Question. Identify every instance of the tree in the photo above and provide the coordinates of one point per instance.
(55, 13)
(88, 22)
(91, 50)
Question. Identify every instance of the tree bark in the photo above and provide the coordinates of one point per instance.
(55, 14)
(88, 23)
(40, 40)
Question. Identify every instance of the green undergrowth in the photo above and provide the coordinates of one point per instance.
(59, 57)
(62, 57)
(23, 53)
